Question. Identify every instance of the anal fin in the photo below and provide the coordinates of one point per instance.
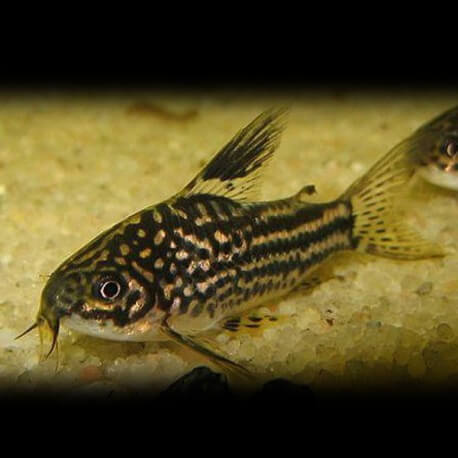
(321, 274)
(253, 322)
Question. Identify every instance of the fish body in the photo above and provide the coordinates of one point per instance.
(199, 259)
(436, 155)
(203, 258)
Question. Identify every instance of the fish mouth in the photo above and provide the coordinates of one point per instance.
(451, 166)
(47, 325)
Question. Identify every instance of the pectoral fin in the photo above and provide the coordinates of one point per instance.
(203, 350)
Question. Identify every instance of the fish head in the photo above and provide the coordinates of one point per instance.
(107, 290)
(436, 149)
(440, 164)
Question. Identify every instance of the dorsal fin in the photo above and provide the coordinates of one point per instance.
(234, 170)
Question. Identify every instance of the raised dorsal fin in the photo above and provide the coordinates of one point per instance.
(234, 170)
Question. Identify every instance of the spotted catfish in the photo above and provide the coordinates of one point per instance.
(209, 255)
(436, 156)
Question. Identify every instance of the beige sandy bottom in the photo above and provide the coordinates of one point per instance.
(72, 165)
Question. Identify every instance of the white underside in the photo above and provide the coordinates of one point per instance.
(110, 332)
(439, 177)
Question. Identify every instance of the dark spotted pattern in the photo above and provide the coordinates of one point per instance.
(240, 268)
(204, 250)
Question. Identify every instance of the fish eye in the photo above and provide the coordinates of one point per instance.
(108, 289)
(451, 148)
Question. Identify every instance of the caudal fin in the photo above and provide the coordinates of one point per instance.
(377, 228)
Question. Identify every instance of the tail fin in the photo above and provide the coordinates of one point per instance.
(377, 229)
